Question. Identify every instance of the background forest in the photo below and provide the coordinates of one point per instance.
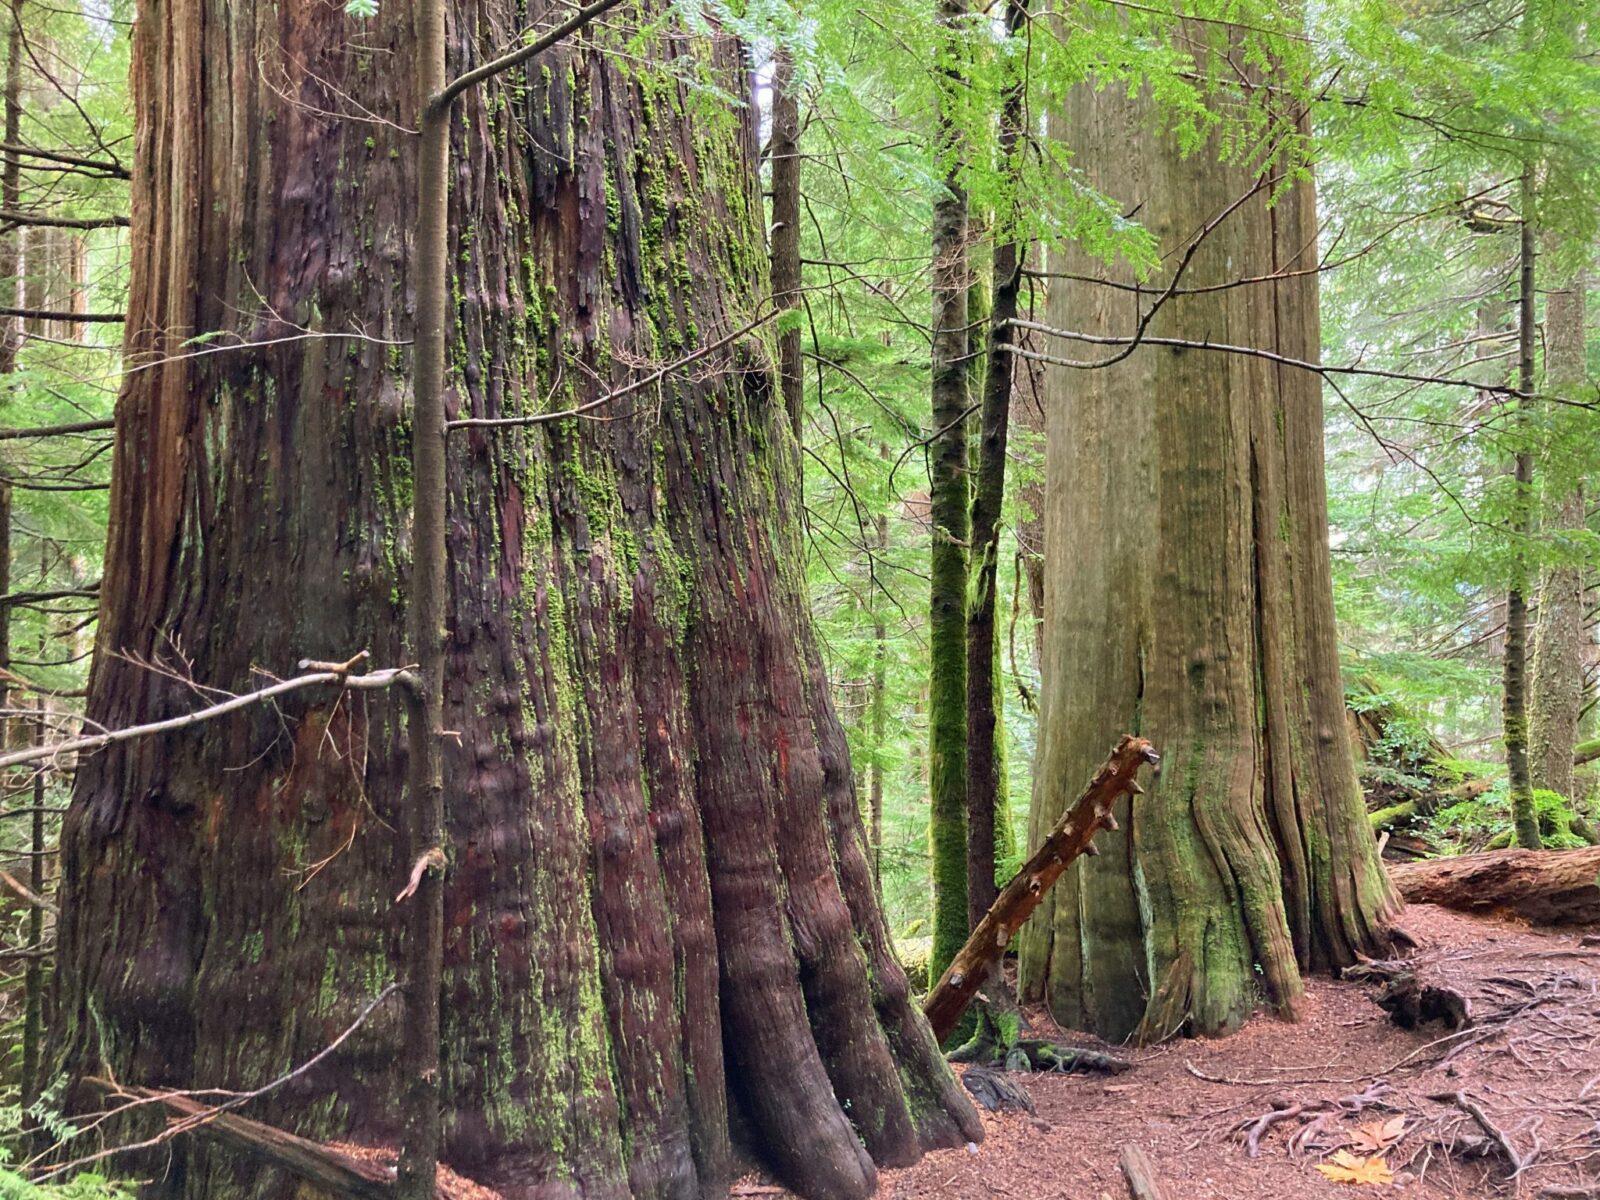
(1454, 149)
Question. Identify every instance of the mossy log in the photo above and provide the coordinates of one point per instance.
(1408, 812)
(1072, 836)
(1586, 752)
(1547, 887)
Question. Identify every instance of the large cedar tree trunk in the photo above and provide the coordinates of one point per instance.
(1189, 600)
(631, 949)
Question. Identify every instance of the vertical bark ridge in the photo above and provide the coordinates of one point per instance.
(1556, 689)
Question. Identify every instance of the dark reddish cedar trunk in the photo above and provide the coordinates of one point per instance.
(630, 668)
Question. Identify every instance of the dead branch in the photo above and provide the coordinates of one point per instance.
(1073, 835)
(373, 681)
(13, 218)
(330, 1170)
(17, 888)
(1140, 1172)
(42, 431)
(193, 1114)
(628, 389)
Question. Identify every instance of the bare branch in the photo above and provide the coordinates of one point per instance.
(374, 681)
(522, 54)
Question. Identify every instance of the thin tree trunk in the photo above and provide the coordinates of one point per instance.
(880, 710)
(33, 977)
(1524, 818)
(1556, 692)
(10, 264)
(417, 1169)
(786, 235)
(11, 194)
(984, 781)
(947, 621)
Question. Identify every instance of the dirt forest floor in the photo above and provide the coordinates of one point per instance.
(1507, 1106)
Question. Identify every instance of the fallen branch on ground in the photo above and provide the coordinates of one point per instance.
(197, 1114)
(1073, 835)
(329, 1170)
(1140, 1172)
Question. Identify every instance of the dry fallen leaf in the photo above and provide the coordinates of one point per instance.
(1377, 1136)
(1347, 1168)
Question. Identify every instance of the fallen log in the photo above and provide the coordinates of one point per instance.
(1073, 835)
(1547, 887)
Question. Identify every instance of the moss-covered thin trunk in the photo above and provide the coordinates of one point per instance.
(1514, 701)
(1189, 600)
(947, 454)
(985, 759)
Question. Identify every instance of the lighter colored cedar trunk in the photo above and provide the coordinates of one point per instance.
(659, 900)
(1556, 689)
(1189, 600)
(950, 518)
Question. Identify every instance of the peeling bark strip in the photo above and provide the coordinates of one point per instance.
(620, 912)
(1073, 835)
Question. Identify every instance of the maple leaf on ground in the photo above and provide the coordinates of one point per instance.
(1347, 1168)
(1377, 1136)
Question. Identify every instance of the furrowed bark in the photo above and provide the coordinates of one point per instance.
(1072, 836)
(659, 901)
(947, 617)
(1555, 697)
(1190, 602)
(1514, 702)
(11, 190)
(786, 234)
(984, 780)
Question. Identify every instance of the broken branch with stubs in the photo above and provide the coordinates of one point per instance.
(1072, 836)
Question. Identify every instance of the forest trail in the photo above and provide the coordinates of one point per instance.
(1531, 1061)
